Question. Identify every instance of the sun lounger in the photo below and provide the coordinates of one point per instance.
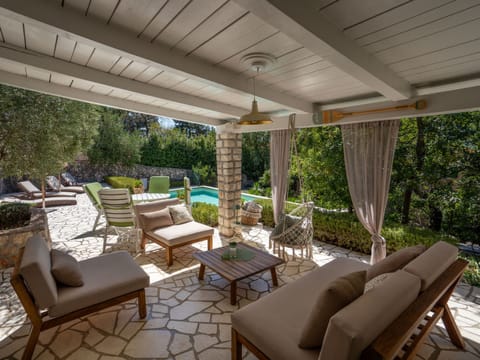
(54, 184)
(32, 192)
(49, 202)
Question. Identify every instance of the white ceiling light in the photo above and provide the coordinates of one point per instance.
(257, 62)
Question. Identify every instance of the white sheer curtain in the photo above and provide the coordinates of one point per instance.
(279, 159)
(368, 150)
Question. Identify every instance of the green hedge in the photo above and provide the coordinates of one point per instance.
(120, 182)
(14, 215)
(205, 213)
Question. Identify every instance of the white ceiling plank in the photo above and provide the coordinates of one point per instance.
(133, 69)
(13, 67)
(159, 23)
(39, 40)
(223, 17)
(100, 89)
(79, 5)
(102, 60)
(122, 94)
(187, 20)
(348, 12)
(93, 32)
(82, 84)
(167, 79)
(12, 31)
(441, 64)
(411, 16)
(147, 75)
(135, 15)
(64, 48)
(434, 42)
(318, 34)
(102, 9)
(241, 35)
(82, 95)
(461, 70)
(38, 74)
(82, 53)
(120, 65)
(112, 81)
(61, 79)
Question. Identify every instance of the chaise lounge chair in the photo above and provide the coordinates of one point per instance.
(54, 184)
(32, 192)
(49, 202)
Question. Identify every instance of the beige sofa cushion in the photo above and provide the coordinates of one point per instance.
(432, 262)
(156, 219)
(65, 269)
(395, 261)
(355, 327)
(274, 323)
(105, 277)
(180, 234)
(153, 206)
(339, 293)
(180, 214)
(35, 270)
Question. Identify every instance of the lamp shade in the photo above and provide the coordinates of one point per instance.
(255, 117)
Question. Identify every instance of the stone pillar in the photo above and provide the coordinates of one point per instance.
(229, 172)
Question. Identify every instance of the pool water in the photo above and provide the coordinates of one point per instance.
(206, 195)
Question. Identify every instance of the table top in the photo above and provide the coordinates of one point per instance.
(149, 197)
(233, 270)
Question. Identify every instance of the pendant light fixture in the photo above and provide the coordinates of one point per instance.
(257, 62)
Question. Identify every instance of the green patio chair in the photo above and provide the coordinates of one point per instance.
(118, 210)
(92, 191)
(159, 184)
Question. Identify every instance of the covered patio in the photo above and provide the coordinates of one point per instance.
(187, 318)
(328, 62)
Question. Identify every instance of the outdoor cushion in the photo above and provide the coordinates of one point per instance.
(429, 265)
(159, 184)
(156, 219)
(339, 293)
(377, 281)
(395, 261)
(104, 277)
(92, 192)
(354, 327)
(279, 318)
(180, 214)
(153, 206)
(35, 270)
(178, 234)
(65, 269)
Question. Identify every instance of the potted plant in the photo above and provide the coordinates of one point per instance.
(138, 187)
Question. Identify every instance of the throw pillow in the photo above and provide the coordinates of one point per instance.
(180, 214)
(338, 294)
(395, 261)
(65, 269)
(376, 281)
(156, 219)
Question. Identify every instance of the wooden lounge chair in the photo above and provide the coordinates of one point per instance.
(32, 192)
(107, 280)
(92, 190)
(55, 184)
(49, 202)
(159, 184)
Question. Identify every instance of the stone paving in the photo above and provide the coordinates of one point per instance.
(187, 318)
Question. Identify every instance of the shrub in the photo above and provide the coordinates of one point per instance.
(205, 213)
(472, 273)
(14, 215)
(119, 182)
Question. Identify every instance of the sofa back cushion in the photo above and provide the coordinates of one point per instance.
(339, 293)
(434, 261)
(35, 269)
(153, 206)
(395, 261)
(156, 219)
(180, 214)
(355, 327)
(65, 269)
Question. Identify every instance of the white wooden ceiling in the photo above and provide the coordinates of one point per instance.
(181, 58)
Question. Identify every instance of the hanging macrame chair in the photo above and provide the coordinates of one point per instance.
(295, 229)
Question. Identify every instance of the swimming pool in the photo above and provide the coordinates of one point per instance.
(207, 195)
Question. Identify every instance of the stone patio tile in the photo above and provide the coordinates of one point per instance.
(200, 318)
(188, 308)
(180, 343)
(131, 329)
(205, 295)
(189, 355)
(214, 354)
(149, 344)
(183, 326)
(83, 354)
(46, 355)
(156, 323)
(105, 322)
(201, 342)
(66, 342)
(111, 345)
(93, 337)
(207, 328)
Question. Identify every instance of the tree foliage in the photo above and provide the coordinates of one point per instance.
(113, 145)
(255, 154)
(40, 133)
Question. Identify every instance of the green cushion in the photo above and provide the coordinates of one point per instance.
(159, 184)
(92, 191)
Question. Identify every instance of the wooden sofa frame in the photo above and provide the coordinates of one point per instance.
(402, 338)
(169, 248)
(37, 316)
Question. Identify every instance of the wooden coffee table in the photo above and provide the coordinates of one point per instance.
(234, 270)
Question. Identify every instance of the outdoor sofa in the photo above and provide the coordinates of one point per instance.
(54, 288)
(392, 318)
(156, 224)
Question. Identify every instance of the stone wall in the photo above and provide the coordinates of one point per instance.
(13, 239)
(85, 172)
(229, 173)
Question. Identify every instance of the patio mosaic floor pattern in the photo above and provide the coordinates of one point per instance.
(187, 318)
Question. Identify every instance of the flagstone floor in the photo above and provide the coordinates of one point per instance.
(187, 318)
